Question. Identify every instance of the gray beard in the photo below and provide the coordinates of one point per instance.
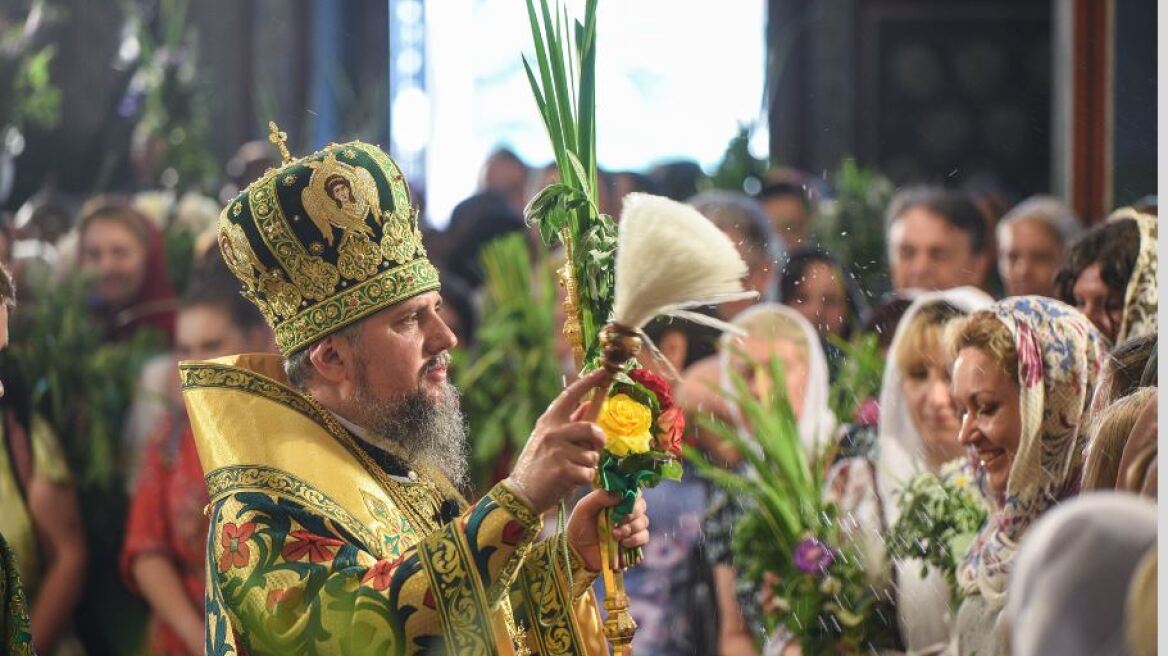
(430, 431)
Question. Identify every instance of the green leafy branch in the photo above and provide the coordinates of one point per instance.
(832, 610)
(567, 211)
(939, 518)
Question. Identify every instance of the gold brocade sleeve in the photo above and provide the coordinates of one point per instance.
(557, 619)
(284, 579)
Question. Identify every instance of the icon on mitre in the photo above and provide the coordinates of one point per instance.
(339, 196)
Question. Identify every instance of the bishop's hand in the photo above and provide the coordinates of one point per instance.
(583, 535)
(562, 452)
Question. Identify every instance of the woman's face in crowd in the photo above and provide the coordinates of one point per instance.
(988, 404)
(1102, 305)
(1029, 254)
(113, 253)
(926, 384)
(759, 351)
(820, 297)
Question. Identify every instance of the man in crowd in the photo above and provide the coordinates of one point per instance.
(936, 240)
(1032, 238)
(784, 198)
(337, 525)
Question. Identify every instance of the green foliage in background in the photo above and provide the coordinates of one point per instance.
(81, 385)
(173, 101)
(27, 95)
(851, 226)
(83, 388)
(738, 165)
(860, 374)
(513, 373)
(180, 254)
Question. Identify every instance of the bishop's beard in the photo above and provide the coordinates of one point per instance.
(430, 430)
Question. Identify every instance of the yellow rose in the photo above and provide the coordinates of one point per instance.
(626, 425)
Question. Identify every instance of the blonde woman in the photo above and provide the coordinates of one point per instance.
(917, 433)
(1108, 437)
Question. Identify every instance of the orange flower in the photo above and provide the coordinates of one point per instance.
(234, 539)
(318, 549)
(381, 574)
(672, 426)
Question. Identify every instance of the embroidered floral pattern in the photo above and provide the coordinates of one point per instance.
(234, 539)
(318, 549)
(379, 576)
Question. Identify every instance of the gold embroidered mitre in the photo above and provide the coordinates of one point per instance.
(326, 240)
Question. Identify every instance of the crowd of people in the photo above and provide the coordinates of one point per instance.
(1039, 382)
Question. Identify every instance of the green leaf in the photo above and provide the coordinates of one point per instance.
(672, 470)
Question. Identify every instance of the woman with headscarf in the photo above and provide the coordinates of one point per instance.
(1110, 275)
(1074, 573)
(772, 330)
(1023, 378)
(917, 433)
(123, 250)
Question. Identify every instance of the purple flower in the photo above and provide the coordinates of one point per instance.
(813, 556)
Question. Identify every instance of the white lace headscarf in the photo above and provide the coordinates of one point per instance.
(816, 421)
(901, 449)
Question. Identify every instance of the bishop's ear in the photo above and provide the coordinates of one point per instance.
(332, 359)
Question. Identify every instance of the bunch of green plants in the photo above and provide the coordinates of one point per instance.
(851, 225)
(83, 388)
(81, 385)
(939, 519)
(789, 544)
(514, 372)
(28, 97)
(179, 243)
(860, 374)
(173, 99)
(567, 212)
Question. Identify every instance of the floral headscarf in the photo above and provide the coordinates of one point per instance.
(1141, 298)
(1059, 357)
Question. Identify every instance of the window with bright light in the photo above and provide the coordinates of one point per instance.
(674, 80)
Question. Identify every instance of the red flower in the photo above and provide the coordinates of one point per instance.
(382, 573)
(317, 548)
(234, 539)
(672, 425)
(868, 413)
(655, 384)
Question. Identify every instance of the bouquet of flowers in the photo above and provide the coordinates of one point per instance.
(939, 519)
(789, 544)
(644, 430)
(665, 259)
